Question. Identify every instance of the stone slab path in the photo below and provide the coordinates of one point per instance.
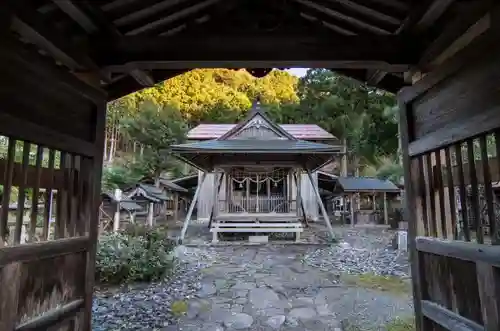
(269, 288)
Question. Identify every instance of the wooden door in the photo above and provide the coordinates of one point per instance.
(450, 130)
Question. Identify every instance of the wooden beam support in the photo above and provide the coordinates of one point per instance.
(388, 53)
(468, 14)
(374, 77)
(321, 205)
(77, 14)
(142, 77)
(90, 17)
(191, 207)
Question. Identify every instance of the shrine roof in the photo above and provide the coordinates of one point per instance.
(255, 146)
(299, 131)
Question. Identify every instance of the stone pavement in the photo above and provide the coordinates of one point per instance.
(261, 288)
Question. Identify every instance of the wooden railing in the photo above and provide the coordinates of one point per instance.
(257, 204)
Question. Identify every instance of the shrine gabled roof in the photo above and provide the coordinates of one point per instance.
(256, 146)
(299, 131)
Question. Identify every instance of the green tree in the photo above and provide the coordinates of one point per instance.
(156, 128)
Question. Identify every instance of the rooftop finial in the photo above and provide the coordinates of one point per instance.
(256, 105)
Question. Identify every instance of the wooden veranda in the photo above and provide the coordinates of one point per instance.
(62, 60)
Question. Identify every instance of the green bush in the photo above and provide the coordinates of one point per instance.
(133, 255)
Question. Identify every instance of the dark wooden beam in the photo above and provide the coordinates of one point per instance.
(373, 77)
(467, 15)
(89, 16)
(77, 14)
(28, 23)
(142, 77)
(397, 4)
(323, 7)
(365, 10)
(433, 13)
(128, 84)
(389, 53)
(160, 22)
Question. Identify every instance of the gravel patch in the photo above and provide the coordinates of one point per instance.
(362, 251)
(147, 306)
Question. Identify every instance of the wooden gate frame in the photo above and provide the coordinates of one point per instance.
(455, 283)
(47, 109)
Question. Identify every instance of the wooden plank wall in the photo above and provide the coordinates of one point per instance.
(450, 128)
(52, 138)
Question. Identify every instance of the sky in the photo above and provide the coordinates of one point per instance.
(298, 71)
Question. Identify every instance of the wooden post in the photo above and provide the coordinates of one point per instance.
(351, 205)
(116, 218)
(150, 214)
(386, 214)
(321, 205)
(191, 207)
(175, 213)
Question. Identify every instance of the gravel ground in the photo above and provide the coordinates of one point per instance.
(270, 287)
(360, 251)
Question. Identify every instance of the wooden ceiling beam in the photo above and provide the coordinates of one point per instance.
(322, 7)
(387, 53)
(145, 12)
(168, 19)
(27, 23)
(142, 77)
(468, 14)
(433, 13)
(330, 26)
(89, 16)
(396, 4)
(129, 84)
(369, 12)
(374, 77)
(77, 14)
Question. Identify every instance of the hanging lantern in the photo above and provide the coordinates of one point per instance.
(241, 185)
(275, 184)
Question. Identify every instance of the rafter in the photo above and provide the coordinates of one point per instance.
(77, 14)
(89, 16)
(374, 77)
(369, 11)
(171, 18)
(323, 8)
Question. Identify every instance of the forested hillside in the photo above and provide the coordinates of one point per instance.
(143, 125)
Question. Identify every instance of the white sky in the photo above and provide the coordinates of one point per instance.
(298, 71)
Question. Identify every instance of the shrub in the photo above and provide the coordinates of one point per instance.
(135, 254)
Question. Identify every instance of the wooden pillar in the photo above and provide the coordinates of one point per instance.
(116, 217)
(386, 214)
(191, 207)
(299, 195)
(175, 212)
(99, 123)
(321, 205)
(132, 217)
(150, 214)
(351, 205)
